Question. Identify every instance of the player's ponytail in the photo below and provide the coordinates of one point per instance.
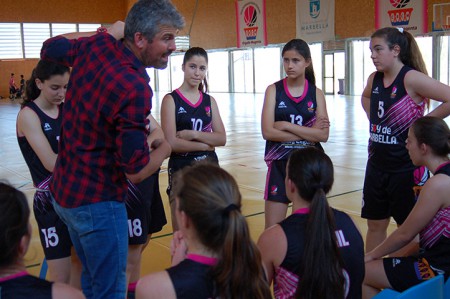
(321, 272)
(210, 197)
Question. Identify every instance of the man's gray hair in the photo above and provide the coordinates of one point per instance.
(146, 16)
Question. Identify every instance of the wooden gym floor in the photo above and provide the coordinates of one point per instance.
(242, 157)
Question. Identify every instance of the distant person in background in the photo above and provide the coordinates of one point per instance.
(15, 236)
(22, 85)
(12, 87)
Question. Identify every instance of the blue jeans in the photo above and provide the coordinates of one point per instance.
(99, 233)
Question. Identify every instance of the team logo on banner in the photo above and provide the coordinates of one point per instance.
(410, 15)
(250, 18)
(314, 8)
(400, 15)
(251, 23)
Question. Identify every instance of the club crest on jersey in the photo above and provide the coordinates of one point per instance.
(375, 91)
(282, 105)
(394, 92)
(208, 111)
(47, 127)
(181, 110)
(311, 107)
(274, 190)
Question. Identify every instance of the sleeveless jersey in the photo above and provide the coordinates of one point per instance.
(191, 280)
(300, 111)
(351, 248)
(435, 237)
(24, 286)
(188, 116)
(51, 128)
(392, 111)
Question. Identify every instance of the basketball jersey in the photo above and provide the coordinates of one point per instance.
(190, 116)
(351, 248)
(435, 237)
(392, 111)
(24, 286)
(51, 128)
(191, 279)
(300, 111)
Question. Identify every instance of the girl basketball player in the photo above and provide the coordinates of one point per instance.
(190, 119)
(319, 252)
(222, 261)
(428, 144)
(294, 116)
(15, 235)
(38, 127)
(145, 212)
(395, 95)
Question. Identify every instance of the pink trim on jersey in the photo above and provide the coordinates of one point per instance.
(285, 283)
(14, 276)
(189, 102)
(442, 165)
(206, 260)
(299, 99)
(438, 227)
(301, 211)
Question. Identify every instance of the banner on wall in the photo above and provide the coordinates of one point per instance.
(251, 23)
(411, 15)
(315, 20)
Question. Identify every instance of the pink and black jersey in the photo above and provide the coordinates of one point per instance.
(51, 128)
(351, 248)
(192, 277)
(392, 111)
(190, 116)
(435, 237)
(297, 110)
(24, 286)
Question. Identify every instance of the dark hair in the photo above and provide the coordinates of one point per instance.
(433, 132)
(14, 217)
(410, 53)
(321, 272)
(146, 16)
(44, 70)
(210, 197)
(197, 51)
(302, 48)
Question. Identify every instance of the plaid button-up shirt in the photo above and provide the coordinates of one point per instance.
(104, 131)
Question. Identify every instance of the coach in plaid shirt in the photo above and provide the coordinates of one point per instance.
(104, 138)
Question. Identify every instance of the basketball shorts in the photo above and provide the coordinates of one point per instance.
(388, 195)
(405, 272)
(145, 210)
(275, 189)
(179, 162)
(53, 232)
